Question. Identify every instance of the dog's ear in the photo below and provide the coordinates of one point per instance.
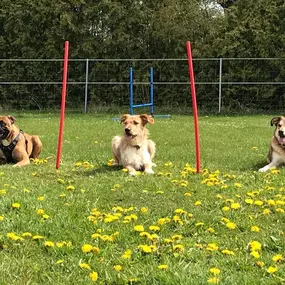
(124, 117)
(12, 119)
(275, 121)
(146, 119)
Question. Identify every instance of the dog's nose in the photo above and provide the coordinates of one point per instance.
(281, 133)
(127, 130)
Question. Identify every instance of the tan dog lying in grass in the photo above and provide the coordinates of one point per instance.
(17, 146)
(134, 150)
(276, 154)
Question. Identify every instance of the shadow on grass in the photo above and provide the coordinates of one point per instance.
(101, 170)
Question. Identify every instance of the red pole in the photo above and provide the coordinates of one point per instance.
(194, 106)
(62, 111)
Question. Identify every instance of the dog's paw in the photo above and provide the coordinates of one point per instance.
(263, 169)
(153, 164)
(132, 173)
(149, 171)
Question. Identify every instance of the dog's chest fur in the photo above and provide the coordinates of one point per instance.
(137, 156)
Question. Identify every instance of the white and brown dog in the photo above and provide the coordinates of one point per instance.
(134, 150)
(17, 146)
(276, 154)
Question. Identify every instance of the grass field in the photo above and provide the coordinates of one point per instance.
(89, 222)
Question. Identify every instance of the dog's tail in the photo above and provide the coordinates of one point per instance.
(37, 147)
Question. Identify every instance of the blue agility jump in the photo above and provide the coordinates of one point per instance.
(151, 95)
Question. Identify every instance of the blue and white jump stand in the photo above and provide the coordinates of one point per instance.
(151, 97)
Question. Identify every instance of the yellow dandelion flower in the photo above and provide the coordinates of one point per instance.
(238, 185)
(144, 209)
(227, 252)
(248, 201)
(215, 270)
(258, 203)
(231, 225)
(3, 192)
(154, 228)
(255, 229)
(1, 218)
(266, 211)
(139, 228)
(162, 266)
(70, 188)
(41, 198)
(235, 206)
(60, 261)
(118, 267)
(198, 203)
(49, 243)
(255, 254)
(94, 276)
(225, 209)
(212, 247)
(37, 237)
(87, 248)
(40, 212)
(176, 237)
(259, 263)
(255, 245)
(127, 254)
(178, 248)
(16, 205)
(187, 194)
(277, 258)
(85, 266)
(213, 280)
(271, 269)
(210, 230)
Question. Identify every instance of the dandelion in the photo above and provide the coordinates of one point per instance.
(277, 258)
(259, 263)
(1, 218)
(231, 225)
(94, 276)
(210, 230)
(37, 237)
(215, 270)
(40, 212)
(70, 188)
(248, 201)
(213, 280)
(111, 162)
(255, 245)
(144, 210)
(198, 203)
(41, 198)
(212, 247)
(84, 266)
(255, 229)
(139, 228)
(118, 267)
(187, 194)
(238, 185)
(227, 252)
(162, 267)
(225, 209)
(255, 254)
(271, 269)
(60, 261)
(235, 206)
(154, 228)
(49, 244)
(87, 248)
(16, 205)
(266, 211)
(127, 254)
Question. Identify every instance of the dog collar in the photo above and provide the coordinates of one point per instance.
(8, 149)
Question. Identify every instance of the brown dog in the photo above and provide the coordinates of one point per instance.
(17, 146)
(134, 150)
(276, 154)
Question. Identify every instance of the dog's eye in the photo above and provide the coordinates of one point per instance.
(136, 123)
(279, 125)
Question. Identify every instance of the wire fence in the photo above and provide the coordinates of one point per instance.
(222, 84)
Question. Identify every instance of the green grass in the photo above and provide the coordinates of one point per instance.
(232, 150)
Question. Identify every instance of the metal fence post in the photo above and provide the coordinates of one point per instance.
(220, 84)
(86, 84)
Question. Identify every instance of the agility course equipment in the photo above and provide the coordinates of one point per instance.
(63, 99)
(194, 105)
(151, 95)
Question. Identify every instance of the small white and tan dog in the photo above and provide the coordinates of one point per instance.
(276, 154)
(134, 150)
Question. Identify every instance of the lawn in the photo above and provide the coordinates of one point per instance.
(90, 223)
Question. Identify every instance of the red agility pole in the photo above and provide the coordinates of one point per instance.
(194, 106)
(62, 111)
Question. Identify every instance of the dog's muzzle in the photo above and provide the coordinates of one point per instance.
(4, 133)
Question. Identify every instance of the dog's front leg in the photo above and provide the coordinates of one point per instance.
(148, 168)
(23, 160)
(274, 163)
